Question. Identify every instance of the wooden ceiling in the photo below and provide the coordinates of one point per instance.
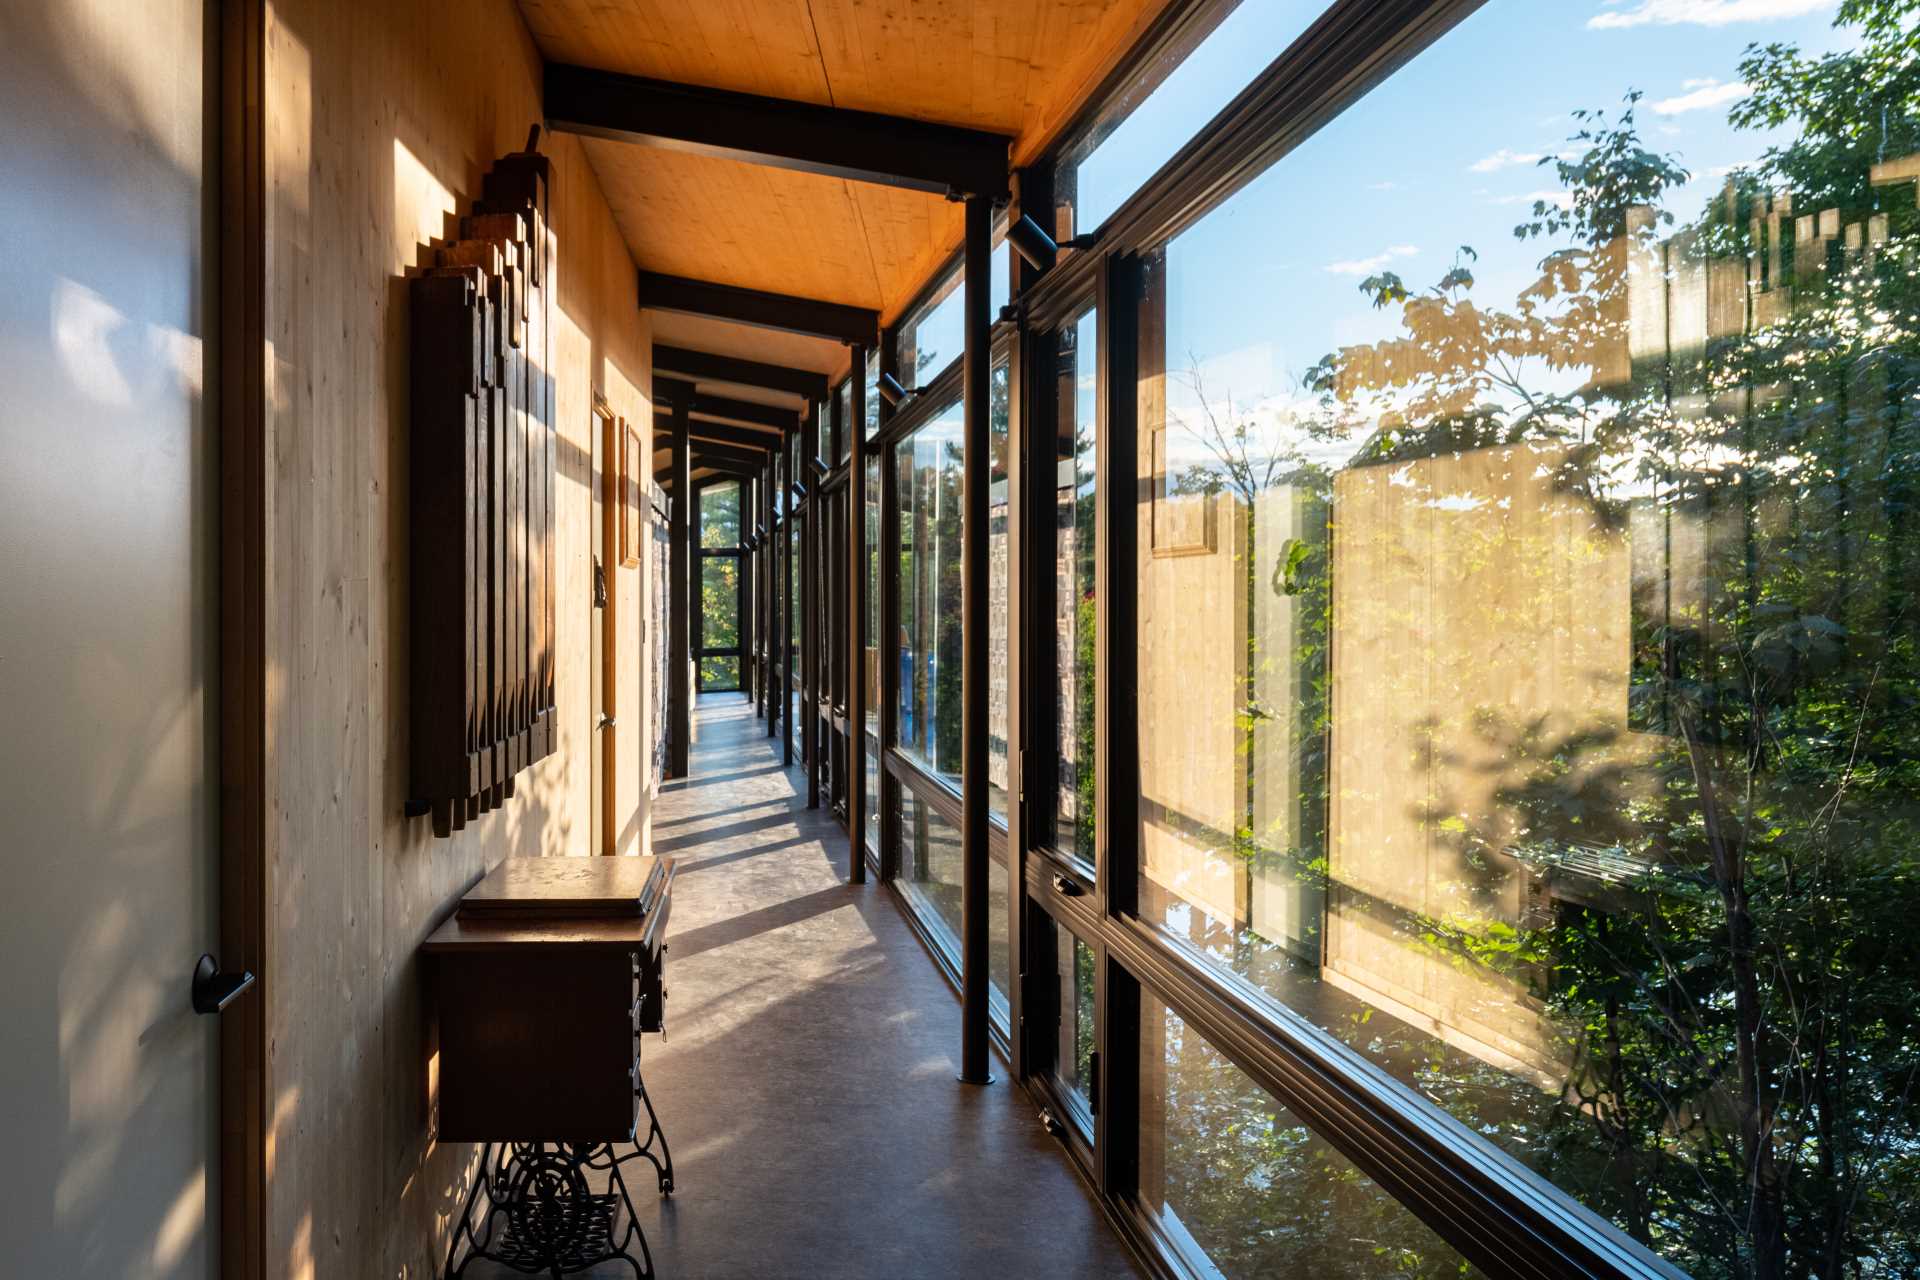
(1017, 67)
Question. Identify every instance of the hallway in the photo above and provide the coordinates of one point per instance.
(807, 1078)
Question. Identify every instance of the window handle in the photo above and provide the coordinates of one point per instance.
(1066, 887)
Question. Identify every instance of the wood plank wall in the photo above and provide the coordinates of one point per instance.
(382, 117)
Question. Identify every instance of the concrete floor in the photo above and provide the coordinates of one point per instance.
(807, 1078)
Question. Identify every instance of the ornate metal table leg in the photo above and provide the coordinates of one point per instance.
(643, 1148)
(552, 1221)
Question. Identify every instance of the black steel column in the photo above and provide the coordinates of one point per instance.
(810, 624)
(679, 597)
(748, 596)
(887, 642)
(856, 668)
(766, 592)
(789, 453)
(977, 476)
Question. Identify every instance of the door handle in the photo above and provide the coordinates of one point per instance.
(606, 721)
(213, 990)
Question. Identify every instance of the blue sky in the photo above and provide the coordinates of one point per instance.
(1442, 154)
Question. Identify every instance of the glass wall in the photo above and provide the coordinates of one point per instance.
(1075, 489)
(1526, 576)
(999, 594)
(1167, 101)
(1241, 1188)
(929, 482)
(870, 663)
(1073, 1050)
(929, 879)
(718, 641)
(934, 334)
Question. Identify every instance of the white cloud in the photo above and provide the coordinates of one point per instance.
(1504, 158)
(1704, 13)
(1367, 266)
(1710, 95)
(1383, 186)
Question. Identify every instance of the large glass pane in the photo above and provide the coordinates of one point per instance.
(872, 398)
(999, 594)
(718, 674)
(1237, 1182)
(873, 794)
(719, 602)
(1527, 575)
(1168, 101)
(930, 494)
(1074, 596)
(934, 334)
(930, 880)
(720, 515)
(845, 396)
(1074, 1001)
(870, 648)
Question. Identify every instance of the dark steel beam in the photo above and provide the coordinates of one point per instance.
(835, 320)
(706, 453)
(720, 432)
(976, 479)
(708, 366)
(702, 404)
(863, 146)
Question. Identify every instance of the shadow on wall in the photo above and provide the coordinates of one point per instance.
(104, 639)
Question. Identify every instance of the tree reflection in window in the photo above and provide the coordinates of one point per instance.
(1529, 692)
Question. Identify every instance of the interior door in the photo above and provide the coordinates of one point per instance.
(108, 1095)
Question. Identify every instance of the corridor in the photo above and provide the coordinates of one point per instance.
(807, 1077)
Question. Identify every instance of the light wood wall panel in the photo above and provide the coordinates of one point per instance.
(382, 116)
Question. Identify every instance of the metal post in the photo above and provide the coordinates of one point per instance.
(809, 628)
(790, 452)
(679, 597)
(977, 434)
(746, 589)
(887, 642)
(856, 667)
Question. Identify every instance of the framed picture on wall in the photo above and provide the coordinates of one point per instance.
(633, 479)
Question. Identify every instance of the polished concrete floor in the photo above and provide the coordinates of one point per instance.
(807, 1077)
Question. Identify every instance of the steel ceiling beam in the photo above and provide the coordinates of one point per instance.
(863, 146)
(834, 320)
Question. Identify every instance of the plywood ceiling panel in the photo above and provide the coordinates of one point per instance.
(1018, 67)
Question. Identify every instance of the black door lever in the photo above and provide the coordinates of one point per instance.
(213, 991)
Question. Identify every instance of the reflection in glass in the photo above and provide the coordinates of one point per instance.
(930, 590)
(1169, 100)
(1074, 595)
(934, 335)
(1528, 684)
(999, 595)
(719, 507)
(719, 602)
(1073, 1051)
(870, 642)
(1237, 1181)
(929, 879)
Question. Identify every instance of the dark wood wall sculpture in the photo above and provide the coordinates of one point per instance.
(482, 457)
